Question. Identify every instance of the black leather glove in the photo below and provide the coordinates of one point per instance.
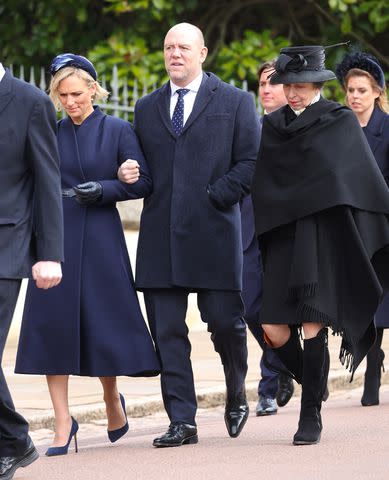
(88, 193)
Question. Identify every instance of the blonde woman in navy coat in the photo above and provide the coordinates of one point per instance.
(364, 82)
(92, 325)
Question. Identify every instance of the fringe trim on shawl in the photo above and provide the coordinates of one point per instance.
(346, 356)
(311, 314)
(302, 291)
(347, 359)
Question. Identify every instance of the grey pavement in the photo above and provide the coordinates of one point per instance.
(142, 395)
(354, 446)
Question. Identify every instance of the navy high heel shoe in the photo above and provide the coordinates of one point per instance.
(53, 451)
(114, 435)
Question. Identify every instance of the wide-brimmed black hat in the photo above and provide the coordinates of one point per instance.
(362, 61)
(303, 64)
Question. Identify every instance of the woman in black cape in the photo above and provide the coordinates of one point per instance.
(321, 211)
(363, 80)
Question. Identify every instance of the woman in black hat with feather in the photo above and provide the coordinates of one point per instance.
(321, 210)
(363, 80)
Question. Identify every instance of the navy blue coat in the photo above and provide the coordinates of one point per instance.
(190, 231)
(91, 324)
(377, 134)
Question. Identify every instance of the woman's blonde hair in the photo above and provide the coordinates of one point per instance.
(101, 93)
(382, 101)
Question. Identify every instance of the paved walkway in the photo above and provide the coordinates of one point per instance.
(143, 394)
(354, 446)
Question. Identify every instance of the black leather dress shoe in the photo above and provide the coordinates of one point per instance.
(235, 418)
(265, 406)
(9, 465)
(285, 389)
(178, 434)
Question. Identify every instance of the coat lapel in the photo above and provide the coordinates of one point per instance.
(89, 136)
(373, 129)
(68, 147)
(207, 88)
(6, 91)
(206, 91)
(163, 105)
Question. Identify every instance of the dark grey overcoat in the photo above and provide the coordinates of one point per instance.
(190, 232)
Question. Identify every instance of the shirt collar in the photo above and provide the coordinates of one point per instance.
(2, 71)
(193, 86)
(315, 99)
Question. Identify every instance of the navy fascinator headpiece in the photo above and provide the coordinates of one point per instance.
(362, 61)
(71, 60)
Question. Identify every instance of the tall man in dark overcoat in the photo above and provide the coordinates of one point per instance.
(31, 230)
(200, 137)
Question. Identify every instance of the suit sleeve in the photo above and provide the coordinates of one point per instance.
(44, 159)
(117, 191)
(235, 184)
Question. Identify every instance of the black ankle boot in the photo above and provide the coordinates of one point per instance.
(314, 384)
(291, 355)
(374, 362)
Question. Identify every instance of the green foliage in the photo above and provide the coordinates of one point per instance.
(240, 34)
(151, 6)
(333, 91)
(120, 7)
(133, 59)
(154, 7)
(34, 31)
(241, 58)
(363, 15)
(341, 5)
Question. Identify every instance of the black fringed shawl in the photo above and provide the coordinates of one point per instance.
(319, 172)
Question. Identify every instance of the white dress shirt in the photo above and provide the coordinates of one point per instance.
(189, 98)
(2, 71)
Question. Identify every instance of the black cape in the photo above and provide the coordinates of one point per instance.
(318, 171)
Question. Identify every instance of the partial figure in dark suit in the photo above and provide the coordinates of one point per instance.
(200, 138)
(273, 388)
(31, 231)
(99, 331)
(364, 82)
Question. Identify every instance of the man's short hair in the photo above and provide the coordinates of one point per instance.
(270, 65)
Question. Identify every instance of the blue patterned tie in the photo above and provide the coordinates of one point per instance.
(178, 114)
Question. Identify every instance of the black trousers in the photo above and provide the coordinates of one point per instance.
(13, 427)
(223, 312)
